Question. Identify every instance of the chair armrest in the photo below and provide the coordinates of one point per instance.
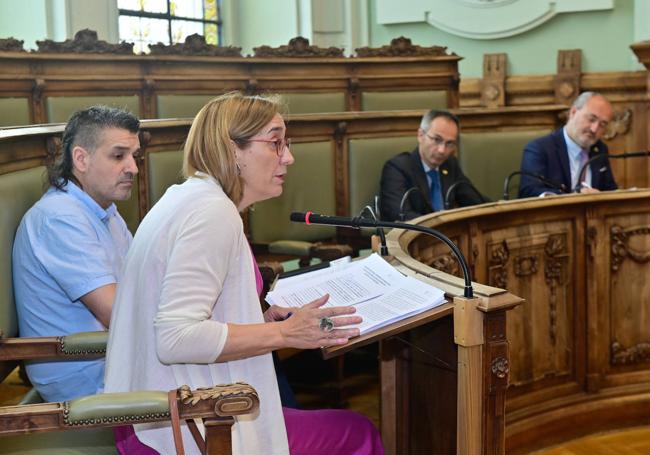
(83, 345)
(330, 252)
(220, 402)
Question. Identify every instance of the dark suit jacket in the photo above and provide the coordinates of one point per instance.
(405, 171)
(548, 156)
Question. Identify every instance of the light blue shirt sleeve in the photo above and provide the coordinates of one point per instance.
(71, 252)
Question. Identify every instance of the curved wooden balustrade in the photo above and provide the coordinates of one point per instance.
(580, 344)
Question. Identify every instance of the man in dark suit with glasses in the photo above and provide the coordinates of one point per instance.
(428, 172)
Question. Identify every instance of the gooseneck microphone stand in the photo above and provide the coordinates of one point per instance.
(453, 187)
(358, 223)
(583, 169)
(405, 198)
(540, 178)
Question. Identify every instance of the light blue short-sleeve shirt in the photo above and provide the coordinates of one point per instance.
(66, 246)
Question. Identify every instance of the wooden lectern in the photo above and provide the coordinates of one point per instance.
(444, 372)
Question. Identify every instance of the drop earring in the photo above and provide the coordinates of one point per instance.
(238, 168)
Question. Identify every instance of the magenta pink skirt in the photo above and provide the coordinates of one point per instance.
(321, 432)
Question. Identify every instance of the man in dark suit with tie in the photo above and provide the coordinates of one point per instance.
(430, 170)
(560, 156)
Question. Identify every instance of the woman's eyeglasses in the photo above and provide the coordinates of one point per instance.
(278, 144)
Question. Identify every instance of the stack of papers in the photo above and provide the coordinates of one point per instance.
(380, 293)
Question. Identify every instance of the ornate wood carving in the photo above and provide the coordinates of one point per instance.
(555, 275)
(621, 249)
(297, 47)
(84, 42)
(493, 84)
(620, 124)
(639, 353)
(446, 263)
(567, 81)
(500, 367)
(498, 273)
(401, 47)
(525, 265)
(195, 45)
(11, 45)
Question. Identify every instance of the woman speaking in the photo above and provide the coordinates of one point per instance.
(187, 310)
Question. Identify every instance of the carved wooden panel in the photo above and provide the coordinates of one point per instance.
(535, 262)
(629, 289)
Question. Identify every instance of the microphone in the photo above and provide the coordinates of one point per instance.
(553, 184)
(358, 223)
(380, 232)
(405, 197)
(583, 169)
(451, 189)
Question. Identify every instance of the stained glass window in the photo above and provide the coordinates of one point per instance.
(145, 22)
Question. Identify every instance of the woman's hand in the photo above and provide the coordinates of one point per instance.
(303, 329)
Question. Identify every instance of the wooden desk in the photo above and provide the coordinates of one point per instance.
(580, 344)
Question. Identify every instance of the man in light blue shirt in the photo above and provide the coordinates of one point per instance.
(70, 245)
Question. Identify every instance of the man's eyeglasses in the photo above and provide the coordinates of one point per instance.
(439, 142)
(278, 144)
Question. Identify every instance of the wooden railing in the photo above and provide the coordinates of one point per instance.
(88, 67)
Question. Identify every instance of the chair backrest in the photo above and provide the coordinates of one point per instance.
(311, 103)
(366, 157)
(391, 101)
(164, 169)
(18, 192)
(181, 106)
(60, 108)
(309, 185)
(14, 112)
(487, 158)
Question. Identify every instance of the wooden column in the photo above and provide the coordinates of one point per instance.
(566, 84)
(468, 335)
(493, 84)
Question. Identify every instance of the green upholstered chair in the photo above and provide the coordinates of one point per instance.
(309, 185)
(81, 426)
(366, 160)
(164, 170)
(18, 192)
(130, 208)
(487, 158)
(313, 103)
(60, 108)
(181, 106)
(14, 112)
(391, 101)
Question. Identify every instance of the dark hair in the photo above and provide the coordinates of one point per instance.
(85, 129)
(427, 118)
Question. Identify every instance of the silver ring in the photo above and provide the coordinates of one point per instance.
(326, 324)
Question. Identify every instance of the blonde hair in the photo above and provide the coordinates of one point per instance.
(229, 119)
